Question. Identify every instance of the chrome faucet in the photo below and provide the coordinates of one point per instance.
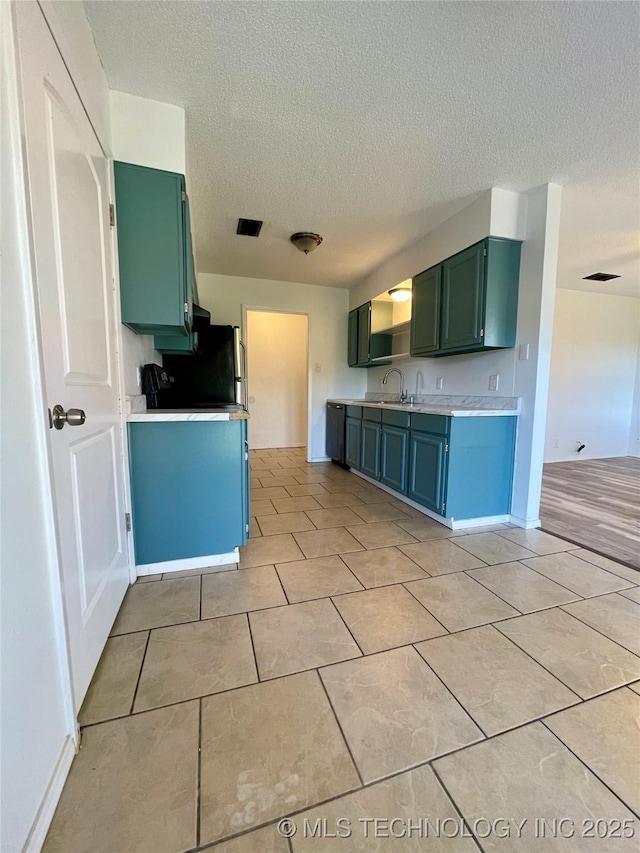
(403, 393)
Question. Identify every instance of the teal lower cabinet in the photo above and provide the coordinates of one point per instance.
(371, 441)
(459, 468)
(479, 472)
(353, 429)
(462, 467)
(427, 470)
(394, 451)
(190, 489)
(370, 450)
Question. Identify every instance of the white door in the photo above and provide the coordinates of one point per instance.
(68, 183)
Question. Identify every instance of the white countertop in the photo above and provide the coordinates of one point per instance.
(228, 413)
(454, 407)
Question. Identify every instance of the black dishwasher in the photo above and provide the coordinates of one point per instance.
(336, 413)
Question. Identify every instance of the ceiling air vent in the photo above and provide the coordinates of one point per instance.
(600, 276)
(249, 227)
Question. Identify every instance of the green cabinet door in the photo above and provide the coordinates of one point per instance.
(177, 344)
(352, 358)
(151, 249)
(394, 458)
(364, 333)
(425, 312)
(352, 443)
(370, 450)
(463, 299)
(427, 470)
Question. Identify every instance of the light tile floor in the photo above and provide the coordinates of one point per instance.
(365, 662)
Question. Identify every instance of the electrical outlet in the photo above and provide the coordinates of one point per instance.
(494, 381)
(318, 367)
(439, 383)
(523, 352)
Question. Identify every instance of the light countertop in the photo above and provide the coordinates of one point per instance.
(455, 407)
(227, 413)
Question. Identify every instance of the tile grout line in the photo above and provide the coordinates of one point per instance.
(524, 612)
(348, 631)
(255, 658)
(340, 729)
(444, 628)
(485, 736)
(591, 770)
(199, 774)
(573, 592)
(597, 630)
(449, 796)
(135, 691)
(284, 591)
(557, 677)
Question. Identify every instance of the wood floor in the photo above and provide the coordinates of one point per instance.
(596, 503)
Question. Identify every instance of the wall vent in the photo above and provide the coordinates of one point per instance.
(600, 276)
(249, 227)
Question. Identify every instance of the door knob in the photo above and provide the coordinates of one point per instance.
(73, 417)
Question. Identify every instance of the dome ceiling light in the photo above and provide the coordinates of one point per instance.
(400, 294)
(306, 241)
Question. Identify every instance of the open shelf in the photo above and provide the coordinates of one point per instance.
(394, 330)
(391, 357)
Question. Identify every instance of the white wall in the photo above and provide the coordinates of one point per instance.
(594, 364)
(36, 721)
(328, 308)
(534, 218)
(634, 432)
(147, 133)
(278, 374)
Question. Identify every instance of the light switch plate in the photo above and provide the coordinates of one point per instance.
(439, 383)
(494, 381)
(523, 352)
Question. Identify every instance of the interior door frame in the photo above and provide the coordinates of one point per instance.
(265, 309)
(44, 431)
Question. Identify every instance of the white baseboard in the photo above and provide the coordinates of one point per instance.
(224, 561)
(451, 523)
(527, 523)
(320, 459)
(49, 802)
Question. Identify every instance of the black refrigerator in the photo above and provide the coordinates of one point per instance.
(214, 377)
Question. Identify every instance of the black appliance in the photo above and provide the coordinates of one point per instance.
(154, 380)
(336, 415)
(214, 377)
(200, 317)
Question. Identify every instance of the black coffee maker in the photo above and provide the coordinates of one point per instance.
(155, 378)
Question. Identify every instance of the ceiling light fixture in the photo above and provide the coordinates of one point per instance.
(306, 241)
(400, 294)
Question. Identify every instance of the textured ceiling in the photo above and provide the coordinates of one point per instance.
(372, 122)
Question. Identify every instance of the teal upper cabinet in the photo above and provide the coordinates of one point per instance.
(462, 298)
(154, 248)
(425, 312)
(353, 338)
(364, 348)
(364, 333)
(469, 303)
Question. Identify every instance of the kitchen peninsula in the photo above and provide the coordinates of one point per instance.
(189, 486)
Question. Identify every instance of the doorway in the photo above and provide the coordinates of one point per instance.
(278, 377)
